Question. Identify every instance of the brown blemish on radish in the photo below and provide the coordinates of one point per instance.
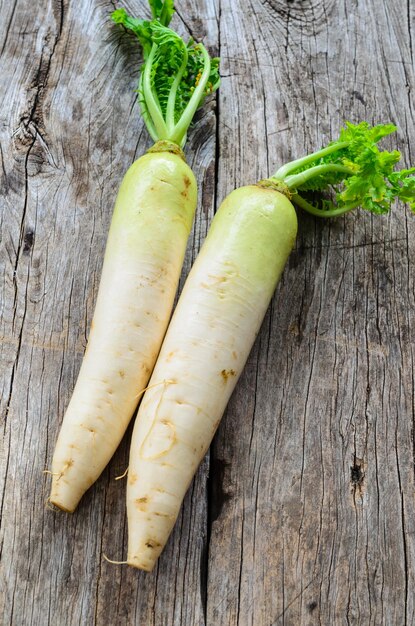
(67, 465)
(121, 374)
(152, 544)
(132, 478)
(141, 503)
(227, 374)
(172, 435)
(186, 181)
(234, 354)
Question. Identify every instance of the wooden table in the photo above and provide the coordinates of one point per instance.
(303, 511)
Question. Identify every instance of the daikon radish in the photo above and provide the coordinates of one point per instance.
(144, 255)
(220, 312)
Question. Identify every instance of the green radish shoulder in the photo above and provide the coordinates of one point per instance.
(144, 255)
(220, 311)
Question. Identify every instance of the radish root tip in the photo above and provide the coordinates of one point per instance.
(122, 475)
(114, 562)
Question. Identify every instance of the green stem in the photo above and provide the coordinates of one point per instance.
(183, 141)
(144, 111)
(306, 206)
(164, 15)
(296, 180)
(185, 120)
(310, 158)
(172, 95)
(152, 106)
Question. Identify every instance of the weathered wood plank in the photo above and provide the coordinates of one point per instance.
(317, 444)
(303, 511)
(69, 130)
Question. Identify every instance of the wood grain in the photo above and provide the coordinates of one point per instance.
(303, 511)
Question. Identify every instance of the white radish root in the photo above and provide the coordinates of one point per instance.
(207, 344)
(143, 260)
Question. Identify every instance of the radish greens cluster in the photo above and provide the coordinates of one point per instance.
(356, 171)
(175, 77)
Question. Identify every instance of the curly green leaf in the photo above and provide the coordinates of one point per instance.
(354, 170)
(175, 78)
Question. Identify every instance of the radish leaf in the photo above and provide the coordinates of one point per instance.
(355, 170)
(175, 77)
(162, 11)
